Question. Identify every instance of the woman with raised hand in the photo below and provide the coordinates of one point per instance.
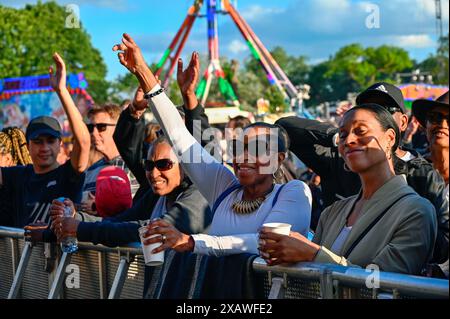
(241, 203)
(387, 224)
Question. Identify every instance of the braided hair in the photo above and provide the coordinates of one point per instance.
(13, 141)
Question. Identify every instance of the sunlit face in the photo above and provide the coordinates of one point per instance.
(363, 143)
(437, 127)
(44, 150)
(257, 159)
(164, 180)
(102, 136)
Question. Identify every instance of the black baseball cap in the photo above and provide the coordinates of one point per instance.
(384, 94)
(43, 125)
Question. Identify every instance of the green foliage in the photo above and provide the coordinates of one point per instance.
(276, 99)
(30, 36)
(437, 64)
(354, 68)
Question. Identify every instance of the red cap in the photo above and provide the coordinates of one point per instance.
(113, 191)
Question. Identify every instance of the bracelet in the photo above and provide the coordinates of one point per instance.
(152, 95)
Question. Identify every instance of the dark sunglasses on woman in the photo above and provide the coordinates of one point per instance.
(436, 117)
(101, 127)
(161, 165)
(255, 147)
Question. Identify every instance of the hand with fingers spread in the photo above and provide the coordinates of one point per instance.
(58, 79)
(187, 79)
(278, 249)
(130, 56)
(169, 237)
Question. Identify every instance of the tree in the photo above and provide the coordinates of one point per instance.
(253, 83)
(29, 37)
(437, 64)
(353, 68)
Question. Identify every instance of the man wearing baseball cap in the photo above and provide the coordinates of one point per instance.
(32, 188)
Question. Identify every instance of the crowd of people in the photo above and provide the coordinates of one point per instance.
(355, 194)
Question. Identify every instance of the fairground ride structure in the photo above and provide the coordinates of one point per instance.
(274, 73)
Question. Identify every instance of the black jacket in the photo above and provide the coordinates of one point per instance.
(313, 143)
(129, 136)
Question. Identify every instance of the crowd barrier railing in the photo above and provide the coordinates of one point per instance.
(98, 272)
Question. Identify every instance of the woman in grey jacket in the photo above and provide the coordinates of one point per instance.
(386, 224)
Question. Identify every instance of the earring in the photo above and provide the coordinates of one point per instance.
(388, 152)
(278, 174)
(346, 168)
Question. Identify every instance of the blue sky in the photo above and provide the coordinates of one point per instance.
(314, 28)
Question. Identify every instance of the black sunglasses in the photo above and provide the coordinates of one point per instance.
(162, 165)
(254, 147)
(101, 127)
(437, 117)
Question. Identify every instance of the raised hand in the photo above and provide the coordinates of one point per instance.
(58, 79)
(131, 56)
(187, 79)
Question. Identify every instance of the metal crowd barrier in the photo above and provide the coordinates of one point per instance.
(41, 271)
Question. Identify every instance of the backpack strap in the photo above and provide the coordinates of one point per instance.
(374, 222)
(277, 194)
(222, 196)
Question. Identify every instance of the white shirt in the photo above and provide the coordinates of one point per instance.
(230, 233)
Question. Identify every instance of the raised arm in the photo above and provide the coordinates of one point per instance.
(80, 154)
(196, 119)
(210, 176)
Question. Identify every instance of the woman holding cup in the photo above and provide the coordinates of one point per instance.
(386, 224)
(241, 203)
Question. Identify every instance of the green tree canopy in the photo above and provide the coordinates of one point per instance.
(353, 68)
(30, 36)
(437, 64)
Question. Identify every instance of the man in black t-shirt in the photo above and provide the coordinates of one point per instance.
(30, 189)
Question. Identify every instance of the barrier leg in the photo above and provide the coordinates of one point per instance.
(18, 277)
(278, 286)
(55, 290)
(119, 279)
(326, 284)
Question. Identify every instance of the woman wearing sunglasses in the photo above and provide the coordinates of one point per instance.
(173, 199)
(387, 224)
(241, 203)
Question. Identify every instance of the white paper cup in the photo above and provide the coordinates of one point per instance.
(150, 259)
(279, 228)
